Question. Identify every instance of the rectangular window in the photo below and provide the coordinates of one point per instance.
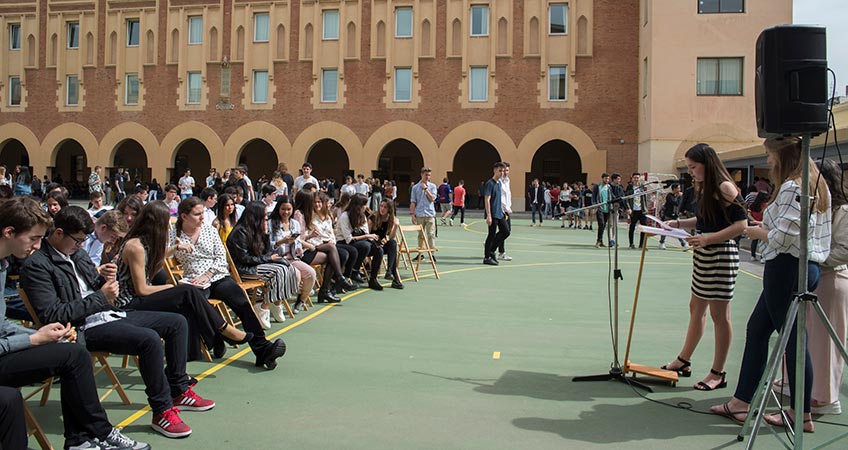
(260, 27)
(403, 84)
(720, 6)
(403, 22)
(331, 25)
(480, 20)
(558, 19)
(14, 91)
(557, 83)
(479, 84)
(720, 76)
(329, 85)
(132, 32)
(73, 34)
(195, 30)
(194, 87)
(14, 36)
(131, 91)
(260, 86)
(72, 90)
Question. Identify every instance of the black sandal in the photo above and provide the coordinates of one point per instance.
(701, 386)
(683, 371)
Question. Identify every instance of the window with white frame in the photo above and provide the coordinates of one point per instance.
(73, 34)
(403, 22)
(194, 88)
(558, 19)
(14, 91)
(480, 20)
(479, 84)
(261, 32)
(132, 32)
(329, 85)
(131, 89)
(14, 36)
(403, 84)
(720, 6)
(71, 90)
(195, 30)
(557, 82)
(260, 86)
(720, 76)
(331, 25)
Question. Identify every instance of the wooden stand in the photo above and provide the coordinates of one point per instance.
(630, 367)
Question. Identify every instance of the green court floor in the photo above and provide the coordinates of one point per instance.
(481, 358)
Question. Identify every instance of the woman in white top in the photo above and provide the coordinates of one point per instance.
(352, 230)
(780, 231)
(280, 186)
(284, 234)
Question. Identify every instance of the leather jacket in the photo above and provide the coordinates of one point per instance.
(238, 243)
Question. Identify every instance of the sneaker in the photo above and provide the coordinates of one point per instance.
(276, 312)
(170, 425)
(263, 315)
(540, 224)
(533, 224)
(612, 243)
(117, 440)
(661, 246)
(834, 408)
(450, 222)
(443, 221)
(87, 445)
(631, 247)
(504, 257)
(490, 262)
(599, 244)
(298, 305)
(190, 401)
(562, 226)
(463, 224)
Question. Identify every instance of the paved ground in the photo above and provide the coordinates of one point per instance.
(479, 359)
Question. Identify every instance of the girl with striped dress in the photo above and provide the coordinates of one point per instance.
(720, 217)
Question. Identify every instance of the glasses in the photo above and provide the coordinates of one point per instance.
(78, 241)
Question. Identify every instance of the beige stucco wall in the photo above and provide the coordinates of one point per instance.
(672, 117)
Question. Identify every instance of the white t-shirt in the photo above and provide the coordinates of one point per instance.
(185, 185)
(300, 181)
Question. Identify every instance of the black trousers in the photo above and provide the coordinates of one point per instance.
(390, 249)
(501, 248)
(461, 211)
(364, 249)
(230, 293)
(603, 220)
(84, 417)
(141, 334)
(203, 321)
(13, 429)
(498, 231)
(637, 217)
(348, 255)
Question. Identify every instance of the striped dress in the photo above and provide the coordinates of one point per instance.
(716, 266)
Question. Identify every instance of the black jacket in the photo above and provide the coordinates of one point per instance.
(540, 194)
(616, 192)
(632, 190)
(53, 290)
(238, 243)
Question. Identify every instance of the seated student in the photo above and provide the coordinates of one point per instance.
(130, 207)
(110, 227)
(54, 202)
(205, 261)
(172, 199)
(209, 196)
(97, 209)
(269, 198)
(312, 215)
(284, 238)
(352, 230)
(237, 193)
(142, 254)
(226, 216)
(64, 286)
(384, 224)
(249, 247)
(28, 356)
(140, 191)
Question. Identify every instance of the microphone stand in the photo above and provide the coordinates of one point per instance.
(615, 372)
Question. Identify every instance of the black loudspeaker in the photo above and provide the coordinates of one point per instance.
(791, 81)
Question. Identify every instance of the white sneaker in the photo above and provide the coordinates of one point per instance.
(463, 224)
(504, 257)
(116, 439)
(662, 246)
(277, 313)
(834, 408)
(263, 315)
(450, 222)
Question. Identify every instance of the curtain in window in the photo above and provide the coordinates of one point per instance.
(261, 30)
(132, 89)
(403, 85)
(194, 87)
(15, 37)
(331, 24)
(260, 86)
(73, 35)
(556, 83)
(14, 91)
(403, 22)
(132, 32)
(73, 90)
(558, 17)
(195, 30)
(479, 20)
(730, 76)
(479, 84)
(707, 73)
(329, 85)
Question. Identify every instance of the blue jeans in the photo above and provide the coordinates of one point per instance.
(537, 208)
(780, 281)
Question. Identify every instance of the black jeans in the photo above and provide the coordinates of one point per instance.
(390, 249)
(348, 255)
(230, 293)
(780, 280)
(461, 211)
(603, 219)
(13, 429)
(84, 417)
(203, 321)
(498, 231)
(364, 249)
(141, 334)
(501, 248)
(637, 217)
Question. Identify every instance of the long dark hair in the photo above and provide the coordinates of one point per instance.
(304, 201)
(253, 220)
(377, 221)
(711, 201)
(835, 181)
(276, 221)
(185, 208)
(151, 228)
(761, 199)
(356, 210)
(222, 203)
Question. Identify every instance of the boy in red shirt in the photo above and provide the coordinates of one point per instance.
(459, 203)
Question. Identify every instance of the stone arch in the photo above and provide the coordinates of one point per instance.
(328, 130)
(150, 43)
(401, 129)
(381, 39)
(593, 161)
(307, 41)
(400, 160)
(534, 36)
(128, 130)
(721, 136)
(53, 48)
(281, 42)
(27, 138)
(31, 51)
(351, 40)
(113, 47)
(70, 131)
(582, 36)
(256, 130)
(175, 45)
(192, 130)
(89, 48)
(503, 36)
(240, 43)
(473, 130)
(213, 44)
(456, 38)
(425, 38)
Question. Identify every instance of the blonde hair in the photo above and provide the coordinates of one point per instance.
(786, 154)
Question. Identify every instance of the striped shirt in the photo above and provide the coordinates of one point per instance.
(782, 219)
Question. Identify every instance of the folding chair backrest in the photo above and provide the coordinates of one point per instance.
(171, 268)
(234, 273)
(36, 322)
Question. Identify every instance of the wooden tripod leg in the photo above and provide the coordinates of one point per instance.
(635, 303)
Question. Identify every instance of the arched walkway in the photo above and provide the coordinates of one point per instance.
(246, 133)
(466, 132)
(307, 141)
(259, 157)
(130, 155)
(71, 168)
(175, 141)
(473, 164)
(400, 161)
(194, 155)
(408, 131)
(556, 162)
(13, 153)
(329, 159)
(69, 131)
(593, 162)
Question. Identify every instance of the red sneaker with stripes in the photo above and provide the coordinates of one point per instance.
(189, 401)
(169, 424)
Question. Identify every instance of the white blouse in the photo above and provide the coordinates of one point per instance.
(782, 219)
(209, 253)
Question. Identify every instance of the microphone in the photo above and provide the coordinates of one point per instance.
(665, 183)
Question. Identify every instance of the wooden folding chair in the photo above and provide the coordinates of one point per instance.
(405, 251)
(251, 287)
(34, 429)
(98, 360)
(170, 264)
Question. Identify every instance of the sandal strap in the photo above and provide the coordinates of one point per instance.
(717, 373)
(685, 363)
